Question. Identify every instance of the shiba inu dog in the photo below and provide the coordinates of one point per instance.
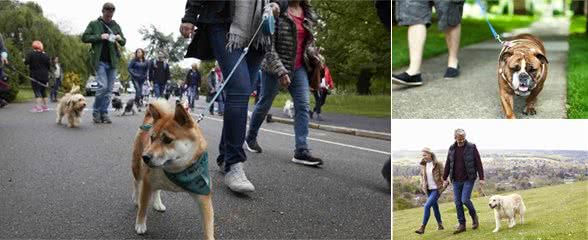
(170, 154)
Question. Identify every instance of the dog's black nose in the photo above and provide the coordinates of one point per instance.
(147, 158)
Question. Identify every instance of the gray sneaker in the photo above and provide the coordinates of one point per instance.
(236, 180)
(96, 117)
(105, 118)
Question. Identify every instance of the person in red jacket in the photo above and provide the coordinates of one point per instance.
(320, 95)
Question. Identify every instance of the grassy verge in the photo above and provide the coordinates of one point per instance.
(368, 106)
(472, 31)
(577, 70)
(24, 95)
(556, 212)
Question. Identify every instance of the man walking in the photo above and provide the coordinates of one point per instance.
(159, 74)
(463, 165)
(107, 39)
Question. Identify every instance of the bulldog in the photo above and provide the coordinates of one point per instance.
(522, 70)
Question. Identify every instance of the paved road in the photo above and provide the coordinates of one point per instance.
(57, 182)
(474, 94)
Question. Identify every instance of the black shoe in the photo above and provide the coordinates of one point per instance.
(311, 114)
(252, 146)
(451, 72)
(304, 157)
(268, 118)
(96, 117)
(407, 80)
(105, 119)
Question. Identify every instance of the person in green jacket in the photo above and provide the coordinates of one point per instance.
(107, 41)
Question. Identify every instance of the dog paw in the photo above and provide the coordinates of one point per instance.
(529, 111)
(495, 230)
(511, 226)
(141, 228)
(159, 207)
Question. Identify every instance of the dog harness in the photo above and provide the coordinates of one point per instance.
(194, 178)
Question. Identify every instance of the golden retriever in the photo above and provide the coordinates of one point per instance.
(507, 207)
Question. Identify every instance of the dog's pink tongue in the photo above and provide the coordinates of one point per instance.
(523, 88)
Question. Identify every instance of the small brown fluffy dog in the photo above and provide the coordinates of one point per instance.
(72, 105)
(168, 143)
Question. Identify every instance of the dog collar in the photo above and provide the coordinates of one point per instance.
(146, 127)
(195, 178)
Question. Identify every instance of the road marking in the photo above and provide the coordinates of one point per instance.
(314, 139)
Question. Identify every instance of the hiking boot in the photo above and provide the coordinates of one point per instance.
(451, 73)
(105, 119)
(461, 228)
(236, 180)
(304, 157)
(475, 222)
(421, 230)
(96, 117)
(407, 80)
(252, 146)
(440, 226)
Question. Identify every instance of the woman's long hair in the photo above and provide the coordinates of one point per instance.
(142, 59)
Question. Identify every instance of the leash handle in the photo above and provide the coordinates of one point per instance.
(494, 33)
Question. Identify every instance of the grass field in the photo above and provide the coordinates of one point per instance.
(472, 31)
(578, 69)
(369, 106)
(555, 212)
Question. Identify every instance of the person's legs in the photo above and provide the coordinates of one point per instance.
(431, 201)
(101, 91)
(449, 14)
(156, 91)
(417, 34)
(457, 192)
(191, 93)
(268, 92)
(466, 194)
(317, 99)
(111, 76)
(452, 38)
(300, 95)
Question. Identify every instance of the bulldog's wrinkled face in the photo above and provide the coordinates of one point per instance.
(494, 202)
(523, 69)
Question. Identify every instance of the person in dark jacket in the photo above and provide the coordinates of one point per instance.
(159, 74)
(3, 56)
(39, 65)
(463, 167)
(320, 95)
(288, 63)
(225, 28)
(107, 41)
(138, 71)
(193, 80)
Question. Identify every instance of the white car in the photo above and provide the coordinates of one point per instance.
(92, 86)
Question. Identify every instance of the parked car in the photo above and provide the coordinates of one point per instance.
(92, 86)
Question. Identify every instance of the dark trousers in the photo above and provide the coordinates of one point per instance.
(320, 97)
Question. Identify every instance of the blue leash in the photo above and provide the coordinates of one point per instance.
(496, 36)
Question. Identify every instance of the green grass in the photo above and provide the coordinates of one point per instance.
(368, 106)
(24, 95)
(555, 212)
(472, 31)
(577, 70)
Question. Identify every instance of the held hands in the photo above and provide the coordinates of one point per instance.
(445, 184)
(285, 80)
(482, 182)
(186, 29)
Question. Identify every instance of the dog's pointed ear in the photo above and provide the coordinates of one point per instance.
(542, 58)
(154, 112)
(182, 117)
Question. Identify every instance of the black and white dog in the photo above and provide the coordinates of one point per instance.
(118, 106)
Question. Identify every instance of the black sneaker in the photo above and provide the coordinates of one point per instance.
(451, 72)
(96, 117)
(105, 118)
(304, 157)
(252, 146)
(407, 80)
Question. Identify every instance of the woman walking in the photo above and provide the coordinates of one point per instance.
(432, 186)
(138, 70)
(39, 65)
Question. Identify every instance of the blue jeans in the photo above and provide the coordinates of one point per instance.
(462, 191)
(105, 75)
(192, 95)
(237, 92)
(138, 84)
(432, 202)
(300, 94)
(55, 89)
(158, 90)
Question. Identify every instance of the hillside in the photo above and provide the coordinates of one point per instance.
(555, 212)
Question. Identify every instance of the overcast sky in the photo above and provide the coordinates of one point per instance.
(492, 134)
(73, 16)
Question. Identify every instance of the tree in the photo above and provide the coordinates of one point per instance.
(354, 41)
(159, 41)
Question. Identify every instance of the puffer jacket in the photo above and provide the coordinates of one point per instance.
(282, 57)
(437, 176)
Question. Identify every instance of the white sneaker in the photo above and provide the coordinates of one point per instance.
(236, 180)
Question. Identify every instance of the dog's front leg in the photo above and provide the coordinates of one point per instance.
(531, 101)
(157, 204)
(497, 219)
(144, 198)
(507, 101)
(207, 213)
(71, 121)
(512, 221)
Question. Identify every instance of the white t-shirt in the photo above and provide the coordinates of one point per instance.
(429, 175)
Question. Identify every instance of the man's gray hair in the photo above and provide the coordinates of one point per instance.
(460, 132)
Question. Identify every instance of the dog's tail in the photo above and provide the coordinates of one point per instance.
(75, 90)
